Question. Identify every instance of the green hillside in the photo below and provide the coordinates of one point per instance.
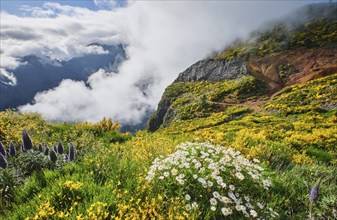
(245, 148)
(293, 135)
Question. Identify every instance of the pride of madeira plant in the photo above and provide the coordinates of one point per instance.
(15, 167)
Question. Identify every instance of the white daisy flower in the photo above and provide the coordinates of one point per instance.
(213, 201)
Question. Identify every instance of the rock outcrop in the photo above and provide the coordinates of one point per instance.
(214, 70)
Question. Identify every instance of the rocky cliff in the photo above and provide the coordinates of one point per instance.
(214, 70)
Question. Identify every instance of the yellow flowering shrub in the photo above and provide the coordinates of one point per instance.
(12, 124)
(71, 185)
(98, 211)
(68, 197)
(302, 158)
(105, 125)
(45, 211)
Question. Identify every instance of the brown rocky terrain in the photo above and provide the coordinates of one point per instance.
(293, 66)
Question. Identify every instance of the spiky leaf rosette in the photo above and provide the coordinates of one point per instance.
(12, 149)
(2, 149)
(71, 152)
(39, 147)
(3, 162)
(52, 156)
(27, 141)
(60, 148)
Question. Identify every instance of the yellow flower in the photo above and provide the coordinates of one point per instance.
(61, 215)
(42, 213)
(80, 217)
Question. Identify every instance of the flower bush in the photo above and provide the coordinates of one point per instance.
(220, 181)
(71, 194)
(98, 210)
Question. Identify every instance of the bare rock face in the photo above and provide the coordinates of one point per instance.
(214, 70)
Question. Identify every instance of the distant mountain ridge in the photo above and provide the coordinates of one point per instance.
(41, 74)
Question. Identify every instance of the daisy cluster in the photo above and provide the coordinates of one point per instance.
(222, 179)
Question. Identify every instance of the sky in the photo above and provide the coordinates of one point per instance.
(161, 38)
(16, 6)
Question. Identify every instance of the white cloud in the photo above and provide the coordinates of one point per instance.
(106, 3)
(62, 37)
(92, 49)
(37, 11)
(8, 77)
(163, 39)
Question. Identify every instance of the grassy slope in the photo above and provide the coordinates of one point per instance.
(293, 134)
(315, 33)
(296, 142)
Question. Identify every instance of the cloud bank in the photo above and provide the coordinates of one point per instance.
(163, 38)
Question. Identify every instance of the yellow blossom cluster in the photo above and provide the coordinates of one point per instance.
(71, 185)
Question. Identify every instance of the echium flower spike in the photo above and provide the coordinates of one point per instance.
(52, 156)
(23, 149)
(26, 140)
(39, 147)
(3, 161)
(12, 149)
(314, 193)
(60, 148)
(2, 149)
(55, 148)
(71, 152)
(46, 150)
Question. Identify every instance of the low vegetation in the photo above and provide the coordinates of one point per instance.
(209, 175)
(312, 34)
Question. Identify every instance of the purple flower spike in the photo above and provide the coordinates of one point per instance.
(2, 149)
(3, 162)
(12, 149)
(39, 147)
(71, 152)
(26, 140)
(314, 193)
(60, 148)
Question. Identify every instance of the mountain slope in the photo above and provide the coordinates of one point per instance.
(278, 57)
